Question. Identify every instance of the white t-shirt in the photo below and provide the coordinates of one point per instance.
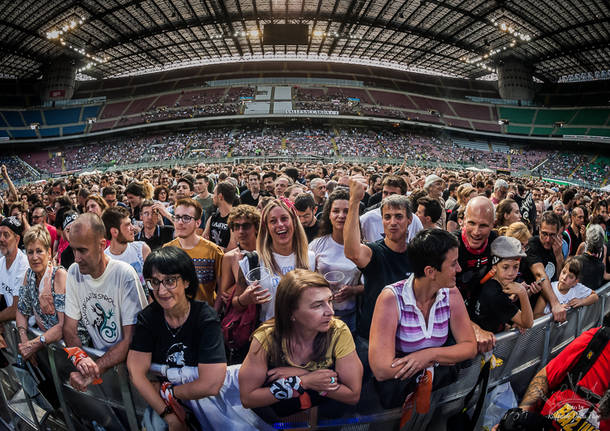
(372, 226)
(577, 292)
(132, 255)
(330, 256)
(105, 304)
(11, 279)
(286, 264)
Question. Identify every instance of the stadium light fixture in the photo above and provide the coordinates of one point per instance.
(71, 24)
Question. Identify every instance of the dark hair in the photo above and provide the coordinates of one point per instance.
(64, 201)
(147, 203)
(60, 184)
(574, 265)
(158, 191)
(503, 209)
(429, 248)
(227, 190)
(395, 181)
(432, 208)
(173, 260)
(292, 173)
(108, 191)
(325, 225)
(112, 218)
(549, 217)
(135, 189)
(187, 181)
(568, 195)
(270, 175)
(304, 201)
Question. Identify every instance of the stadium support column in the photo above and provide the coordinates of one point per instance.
(58, 80)
(515, 80)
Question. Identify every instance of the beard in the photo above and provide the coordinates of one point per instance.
(122, 239)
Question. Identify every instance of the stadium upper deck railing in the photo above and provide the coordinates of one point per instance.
(115, 405)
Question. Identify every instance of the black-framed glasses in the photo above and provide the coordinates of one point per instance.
(184, 219)
(170, 283)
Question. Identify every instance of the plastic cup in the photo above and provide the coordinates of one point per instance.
(259, 274)
(335, 279)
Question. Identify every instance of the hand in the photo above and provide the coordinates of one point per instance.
(28, 348)
(255, 294)
(583, 232)
(88, 368)
(486, 340)
(343, 293)
(559, 312)
(283, 372)
(514, 289)
(225, 297)
(4, 172)
(533, 288)
(557, 245)
(79, 382)
(412, 364)
(174, 423)
(576, 302)
(357, 187)
(320, 380)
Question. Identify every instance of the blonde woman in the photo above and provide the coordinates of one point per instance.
(281, 246)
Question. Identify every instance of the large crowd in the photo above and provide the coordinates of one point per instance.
(319, 279)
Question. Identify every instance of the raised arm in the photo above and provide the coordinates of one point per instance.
(11, 187)
(355, 251)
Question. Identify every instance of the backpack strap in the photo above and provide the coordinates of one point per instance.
(252, 259)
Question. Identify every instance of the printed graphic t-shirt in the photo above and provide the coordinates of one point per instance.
(105, 304)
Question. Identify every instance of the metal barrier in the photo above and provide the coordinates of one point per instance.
(114, 404)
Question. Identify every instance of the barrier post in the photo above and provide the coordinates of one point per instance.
(130, 409)
(59, 389)
(547, 342)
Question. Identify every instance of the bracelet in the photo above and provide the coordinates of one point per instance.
(284, 388)
(168, 411)
(239, 302)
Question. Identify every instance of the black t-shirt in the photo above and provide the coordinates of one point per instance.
(592, 273)
(386, 267)
(67, 257)
(198, 341)
(375, 199)
(219, 229)
(247, 199)
(312, 231)
(573, 239)
(536, 253)
(474, 268)
(494, 308)
(161, 235)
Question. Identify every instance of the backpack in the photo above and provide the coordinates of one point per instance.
(237, 326)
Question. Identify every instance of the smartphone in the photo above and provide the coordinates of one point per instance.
(540, 281)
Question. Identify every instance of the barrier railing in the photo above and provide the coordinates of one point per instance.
(115, 405)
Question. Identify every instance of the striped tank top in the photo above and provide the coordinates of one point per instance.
(413, 332)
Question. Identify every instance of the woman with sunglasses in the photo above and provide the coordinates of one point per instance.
(177, 331)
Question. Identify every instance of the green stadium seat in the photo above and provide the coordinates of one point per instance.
(593, 117)
(552, 116)
(517, 115)
(519, 130)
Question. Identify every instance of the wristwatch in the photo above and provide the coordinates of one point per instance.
(43, 340)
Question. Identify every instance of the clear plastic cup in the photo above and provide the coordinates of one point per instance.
(335, 279)
(259, 274)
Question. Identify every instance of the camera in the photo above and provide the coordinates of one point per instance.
(520, 420)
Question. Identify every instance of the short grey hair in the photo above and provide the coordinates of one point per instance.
(500, 184)
(595, 239)
(397, 201)
(315, 182)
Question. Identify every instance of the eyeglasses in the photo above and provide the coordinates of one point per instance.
(184, 219)
(244, 226)
(37, 217)
(169, 283)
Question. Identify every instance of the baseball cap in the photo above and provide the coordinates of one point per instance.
(506, 247)
(430, 179)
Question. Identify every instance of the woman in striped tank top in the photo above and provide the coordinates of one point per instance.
(413, 318)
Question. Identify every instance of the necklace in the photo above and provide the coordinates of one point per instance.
(175, 331)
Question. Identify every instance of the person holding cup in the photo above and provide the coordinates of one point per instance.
(341, 273)
(281, 246)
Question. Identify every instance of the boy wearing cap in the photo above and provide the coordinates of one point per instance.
(494, 308)
(13, 265)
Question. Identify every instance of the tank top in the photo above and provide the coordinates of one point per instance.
(413, 333)
(219, 230)
(132, 255)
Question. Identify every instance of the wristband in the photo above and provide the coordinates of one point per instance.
(168, 411)
(76, 354)
(284, 388)
(239, 302)
(167, 394)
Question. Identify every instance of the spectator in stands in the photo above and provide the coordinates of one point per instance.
(102, 293)
(206, 255)
(42, 293)
(184, 188)
(135, 194)
(305, 206)
(217, 229)
(593, 272)
(153, 232)
(545, 260)
(281, 184)
(109, 195)
(400, 348)
(13, 265)
(569, 291)
(429, 212)
(177, 331)
(96, 204)
(281, 246)
(495, 309)
(500, 191)
(39, 216)
(330, 256)
(121, 234)
(433, 185)
(507, 213)
(304, 352)
(575, 233)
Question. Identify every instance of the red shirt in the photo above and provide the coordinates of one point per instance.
(596, 380)
(52, 232)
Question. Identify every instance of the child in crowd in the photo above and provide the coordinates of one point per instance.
(494, 309)
(568, 290)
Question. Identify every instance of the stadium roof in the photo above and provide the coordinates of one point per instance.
(465, 38)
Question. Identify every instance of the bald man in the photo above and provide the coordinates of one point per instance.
(105, 295)
(474, 257)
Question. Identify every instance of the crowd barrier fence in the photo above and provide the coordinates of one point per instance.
(116, 405)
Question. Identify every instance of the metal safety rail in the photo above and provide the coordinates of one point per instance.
(116, 405)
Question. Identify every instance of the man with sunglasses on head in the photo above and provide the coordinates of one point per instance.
(153, 233)
(207, 256)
